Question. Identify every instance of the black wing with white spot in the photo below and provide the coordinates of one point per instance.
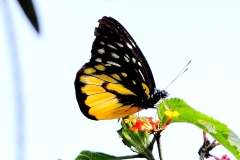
(114, 45)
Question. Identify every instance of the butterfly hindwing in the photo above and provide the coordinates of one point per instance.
(117, 81)
(101, 94)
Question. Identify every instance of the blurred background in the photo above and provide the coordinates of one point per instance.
(169, 33)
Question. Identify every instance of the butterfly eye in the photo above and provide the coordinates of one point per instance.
(117, 81)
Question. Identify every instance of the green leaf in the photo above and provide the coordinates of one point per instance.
(29, 10)
(136, 141)
(88, 155)
(218, 130)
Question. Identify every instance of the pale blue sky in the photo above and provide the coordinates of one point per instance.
(169, 33)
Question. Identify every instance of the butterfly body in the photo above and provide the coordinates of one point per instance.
(117, 81)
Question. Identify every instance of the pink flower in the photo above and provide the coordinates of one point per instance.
(224, 157)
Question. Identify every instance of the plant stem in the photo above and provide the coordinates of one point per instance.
(130, 157)
(152, 143)
(158, 139)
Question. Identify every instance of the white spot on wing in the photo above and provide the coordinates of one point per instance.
(98, 60)
(113, 63)
(133, 44)
(114, 55)
(111, 46)
(127, 56)
(129, 46)
(139, 63)
(134, 60)
(102, 43)
(101, 51)
(126, 59)
(119, 44)
(141, 74)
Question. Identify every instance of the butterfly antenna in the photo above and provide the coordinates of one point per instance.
(180, 73)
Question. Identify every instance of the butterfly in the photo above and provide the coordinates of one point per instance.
(117, 81)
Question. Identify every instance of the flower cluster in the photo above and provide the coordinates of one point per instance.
(145, 125)
(207, 147)
(148, 124)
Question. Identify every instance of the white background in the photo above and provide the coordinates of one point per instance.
(169, 33)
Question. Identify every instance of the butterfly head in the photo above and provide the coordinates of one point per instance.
(162, 93)
(156, 96)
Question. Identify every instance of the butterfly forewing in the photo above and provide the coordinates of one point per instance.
(117, 80)
(111, 33)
